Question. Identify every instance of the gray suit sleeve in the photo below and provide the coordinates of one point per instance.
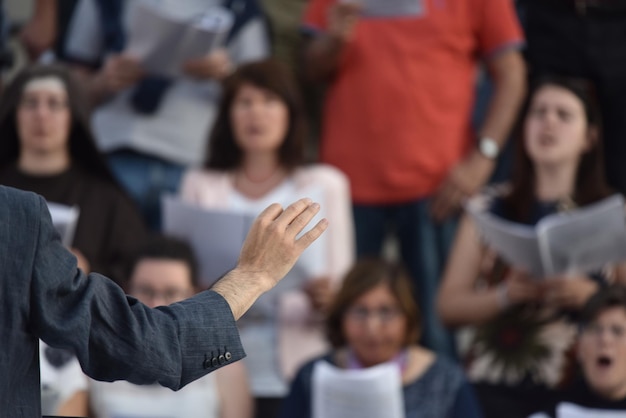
(114, 336)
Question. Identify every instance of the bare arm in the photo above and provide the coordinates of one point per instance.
(458, 301)
(76, 406)
(234, 391)
(118, 73)
(40, 31)
(269, 252)
(508, 73)
(323, 52)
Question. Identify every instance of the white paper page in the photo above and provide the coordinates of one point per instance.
(164, 42)
(584, 240)
(216, 237)
(64, 219)
(516, 243)
(367, 393)
(568, 410)
(391, 8)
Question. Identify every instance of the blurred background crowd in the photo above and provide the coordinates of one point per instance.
(391, 114)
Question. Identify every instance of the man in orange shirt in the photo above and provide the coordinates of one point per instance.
(397, 117)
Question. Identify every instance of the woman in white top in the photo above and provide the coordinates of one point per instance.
(256, 157)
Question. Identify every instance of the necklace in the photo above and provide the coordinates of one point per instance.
(265, 179)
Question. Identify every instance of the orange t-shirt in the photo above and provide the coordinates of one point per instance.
(397, 115)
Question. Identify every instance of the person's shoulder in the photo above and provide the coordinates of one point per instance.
(199, 179)
(15, 199)
(306, 370)
(443, 373)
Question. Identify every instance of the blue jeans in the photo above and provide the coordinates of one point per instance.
(424, 247)
(146, 178)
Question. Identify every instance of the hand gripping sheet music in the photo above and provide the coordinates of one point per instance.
(164, 40)
(367, 393)
(578, 241)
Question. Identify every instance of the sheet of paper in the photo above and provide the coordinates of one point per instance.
(568, 410)
(367, 393)
(64, 219)
(579, 241)
(164, 41)
(391, 8)
(584, 240)
(515, 243)
(216, 237)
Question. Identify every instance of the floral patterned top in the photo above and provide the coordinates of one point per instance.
(529, 343)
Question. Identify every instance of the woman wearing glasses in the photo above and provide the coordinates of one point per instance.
(374, 320)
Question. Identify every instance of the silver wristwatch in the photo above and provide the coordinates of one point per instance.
(489, 148)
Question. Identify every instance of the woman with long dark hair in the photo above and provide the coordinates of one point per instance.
(256, 157)
(523, 330)
(46, 147)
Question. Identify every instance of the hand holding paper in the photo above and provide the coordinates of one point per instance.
(164, 41)
(215, 66)
(119, 73)
(570, 243)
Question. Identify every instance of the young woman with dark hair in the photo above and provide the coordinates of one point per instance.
(256, 157)
(524, 334)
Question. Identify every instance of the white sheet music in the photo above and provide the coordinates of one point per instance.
(390, 8)
(164, 41)
(367, 393)
(64, 219)
(216, 237)
(568, 410)
(578, 241)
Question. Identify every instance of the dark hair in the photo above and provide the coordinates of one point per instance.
(223, 151)
(82, 147)
(590, 185)
(613, 296)
(164, 247)
(364, 276)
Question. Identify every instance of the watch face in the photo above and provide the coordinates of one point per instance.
(489, 148)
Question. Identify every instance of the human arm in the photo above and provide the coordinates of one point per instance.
(459, 302)
(508, 74)
(568, 292)
(323, 51)
(213, 66)
(119, 72)
(234, 391)
(40, 31)
(115, 337)
(76, 406)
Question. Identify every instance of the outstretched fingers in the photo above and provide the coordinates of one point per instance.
(271, 213)
(298, 224)
(310, 236)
